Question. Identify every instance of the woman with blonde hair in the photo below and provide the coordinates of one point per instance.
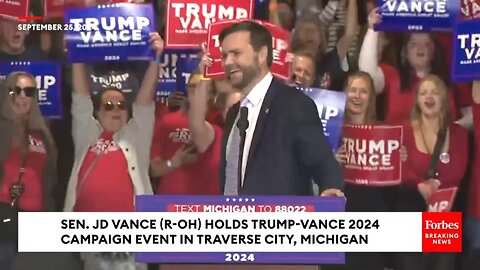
(360, 109)
(28, 159)
(430, 127)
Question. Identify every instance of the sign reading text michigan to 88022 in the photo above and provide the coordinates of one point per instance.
(244, 205)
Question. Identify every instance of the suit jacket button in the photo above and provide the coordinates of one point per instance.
(126, 149)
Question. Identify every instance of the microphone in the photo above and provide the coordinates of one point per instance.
(242, 123)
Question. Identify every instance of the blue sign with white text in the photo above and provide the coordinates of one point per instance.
(169, 61)
(466, 51)
(185, 67)
(331, 108)
(48, 79)
(242, 205)
(117, 32)
(417, 15)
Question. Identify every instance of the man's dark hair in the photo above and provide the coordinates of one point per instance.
(259, 36)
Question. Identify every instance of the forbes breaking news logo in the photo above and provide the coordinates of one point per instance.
(442, 232)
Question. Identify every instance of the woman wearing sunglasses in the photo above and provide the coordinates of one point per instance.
(27, 157)
(112, 149)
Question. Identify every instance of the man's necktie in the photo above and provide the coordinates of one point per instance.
(233, 170)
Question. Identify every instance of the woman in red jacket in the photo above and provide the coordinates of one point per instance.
(430, 116)
(360, 109)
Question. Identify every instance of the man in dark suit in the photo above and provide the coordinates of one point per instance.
(273, 142)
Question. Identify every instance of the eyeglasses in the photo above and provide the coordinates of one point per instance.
(110, 105)
(29, 91)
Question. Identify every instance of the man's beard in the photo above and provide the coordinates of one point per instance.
(248, 74)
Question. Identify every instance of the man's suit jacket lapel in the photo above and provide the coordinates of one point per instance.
(261, 121)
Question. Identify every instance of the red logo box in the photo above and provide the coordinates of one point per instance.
(442, 232)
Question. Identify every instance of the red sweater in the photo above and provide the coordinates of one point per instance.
(474, 188)
(450, 174)
(399, 104)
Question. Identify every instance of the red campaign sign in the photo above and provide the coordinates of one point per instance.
(14, 8)
(281, 48)
(54, 9)
(373, 155)
(187, 21)
(442, 200)
(470, 9)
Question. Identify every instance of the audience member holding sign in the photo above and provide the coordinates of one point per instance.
(430, 136)
(360, 110)
(111, 150)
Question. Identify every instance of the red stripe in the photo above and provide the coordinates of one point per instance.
(30, 18)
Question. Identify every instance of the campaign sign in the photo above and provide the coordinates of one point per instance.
(54, 9)
(373, 155)
(470, 9)
(14, 8)
(185, 67)
(167, 79)
(281, 47)
(242, 205)
(331, 108)
(417, 15)
(48, 79)
(466, 51)
(187, 21)
(124, 80)
(116, 32)
(442, 200)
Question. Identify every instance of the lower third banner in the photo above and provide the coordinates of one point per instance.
(245, 205)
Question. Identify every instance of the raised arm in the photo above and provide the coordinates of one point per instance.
(368, 59)
(327, 14)
(147, 89)
(143, 109)
(84, 126)
(273, 13)
(351, 29)
(203, 133)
